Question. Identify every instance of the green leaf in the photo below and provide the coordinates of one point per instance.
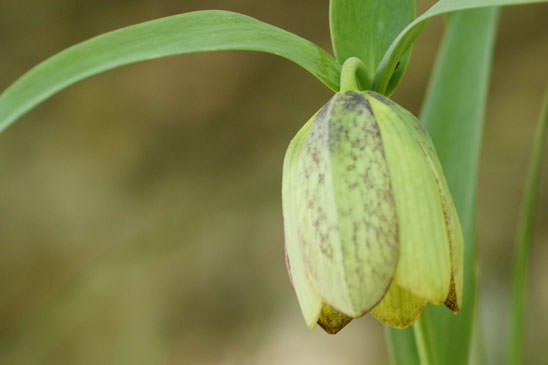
(398, 73)
(397, 50)
(366, 28)
(523, 240)
(453, 113)
(211, 30)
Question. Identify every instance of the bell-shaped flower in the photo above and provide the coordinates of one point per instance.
(369, 222)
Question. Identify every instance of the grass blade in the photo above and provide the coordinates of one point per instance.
(523, 241)
(453, 113)
(210, 30)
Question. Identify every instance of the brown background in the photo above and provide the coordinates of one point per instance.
(140, 213)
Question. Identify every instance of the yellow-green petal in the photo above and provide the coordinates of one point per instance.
(399, 308)
(424, 266)
(454, 230)
(347, 220)
(309, 301)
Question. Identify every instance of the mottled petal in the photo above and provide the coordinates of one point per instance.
(309, 301)
(454, 230)
(347, 219)
(424, 266)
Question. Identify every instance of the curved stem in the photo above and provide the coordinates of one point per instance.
(354, 75)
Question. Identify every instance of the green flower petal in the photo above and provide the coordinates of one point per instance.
(346, 212)
(424, 266)
(309, 300)
(399, 307)
(454, 230)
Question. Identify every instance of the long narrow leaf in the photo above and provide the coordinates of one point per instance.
(453, 113)
(211, 30)
(523, 241)
(366, 28)
(405, 39)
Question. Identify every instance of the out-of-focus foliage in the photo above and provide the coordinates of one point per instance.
(141, 211)
(523, 240)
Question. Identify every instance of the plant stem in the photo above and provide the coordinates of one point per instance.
(523, 241)
(401, 345)
(354, 75)
(421, 338)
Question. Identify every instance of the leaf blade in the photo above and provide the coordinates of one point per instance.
(523, 240)
(209, 30)
(403, 42)
(366, 28)
(453, 113)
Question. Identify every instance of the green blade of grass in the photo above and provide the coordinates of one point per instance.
(453, 113)
(366, 28)
(210, 30)
(523, 241)
(401, 45)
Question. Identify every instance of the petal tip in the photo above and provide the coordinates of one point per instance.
(452, 301)
(331, 320)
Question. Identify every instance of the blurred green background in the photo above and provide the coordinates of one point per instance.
(140, 212)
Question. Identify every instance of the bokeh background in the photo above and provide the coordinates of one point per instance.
(140, 213)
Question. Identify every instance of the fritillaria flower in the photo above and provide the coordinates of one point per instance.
(370, 226)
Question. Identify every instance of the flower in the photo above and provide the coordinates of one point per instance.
(369, 222)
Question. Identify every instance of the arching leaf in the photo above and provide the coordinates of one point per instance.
(211, 30)
(404, 41)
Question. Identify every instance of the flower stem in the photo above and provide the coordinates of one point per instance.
(421, 338)
(354, 75)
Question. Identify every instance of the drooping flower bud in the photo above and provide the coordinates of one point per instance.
(369, 222)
